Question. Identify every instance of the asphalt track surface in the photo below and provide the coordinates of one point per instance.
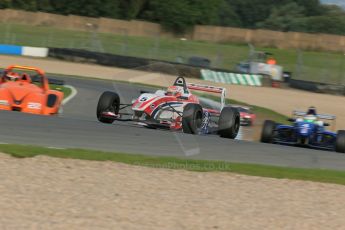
(78, 127)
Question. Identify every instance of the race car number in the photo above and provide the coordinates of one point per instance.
(143, 99)
(34, 105)
(305, 128)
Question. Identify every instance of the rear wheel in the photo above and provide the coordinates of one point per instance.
(229, 122)
(192, 118)
(108, 102)
(267, 131)
(340, 142)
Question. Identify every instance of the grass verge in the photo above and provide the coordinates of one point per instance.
(65, 90)
(316, 175)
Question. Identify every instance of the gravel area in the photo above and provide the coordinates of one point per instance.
(52, 193)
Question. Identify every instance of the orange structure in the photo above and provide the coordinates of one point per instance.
(271, 61)
(19, 93)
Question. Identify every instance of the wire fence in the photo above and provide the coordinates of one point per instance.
(328, 68)
(155, 47)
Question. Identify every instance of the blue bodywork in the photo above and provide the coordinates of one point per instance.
(306, 134)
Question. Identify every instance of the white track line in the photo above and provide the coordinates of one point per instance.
(240, 134)
(52, 147)
(71, 96)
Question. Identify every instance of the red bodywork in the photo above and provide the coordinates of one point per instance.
(247, 116)
(25, 96)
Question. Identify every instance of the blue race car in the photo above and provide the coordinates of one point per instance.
(307, 130)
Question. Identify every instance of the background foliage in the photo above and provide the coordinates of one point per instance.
(181, 15)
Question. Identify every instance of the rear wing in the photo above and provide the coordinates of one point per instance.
(209, 89)
(321, 116)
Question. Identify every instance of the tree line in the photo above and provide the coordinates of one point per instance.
(180, 15)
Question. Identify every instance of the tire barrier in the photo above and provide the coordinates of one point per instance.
(144, 64)
(317, 87)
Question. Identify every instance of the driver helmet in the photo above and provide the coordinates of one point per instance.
(176, 91)
(311, 111)
(26, 78)
(11, 76)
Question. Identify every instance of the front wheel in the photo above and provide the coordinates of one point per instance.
(108, 102)
(268, 131)
(340, 142)
(192, 118)
(229, 122)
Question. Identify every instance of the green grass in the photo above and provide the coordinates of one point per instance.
(315, 66)
(318, 175)
(66, 91)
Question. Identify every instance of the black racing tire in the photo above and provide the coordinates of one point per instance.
(108, 101)
(192, 118)
(268, 131)
(340, 142)
(229, 122)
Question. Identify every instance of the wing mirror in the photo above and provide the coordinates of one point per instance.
(326, 124)
(291, 119)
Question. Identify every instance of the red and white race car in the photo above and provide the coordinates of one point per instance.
(174, 109)
(247, 116)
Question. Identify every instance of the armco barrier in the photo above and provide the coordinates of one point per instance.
(232, 78)
(317, 87)
(78, 55)
(23, 50)
(144, 64)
